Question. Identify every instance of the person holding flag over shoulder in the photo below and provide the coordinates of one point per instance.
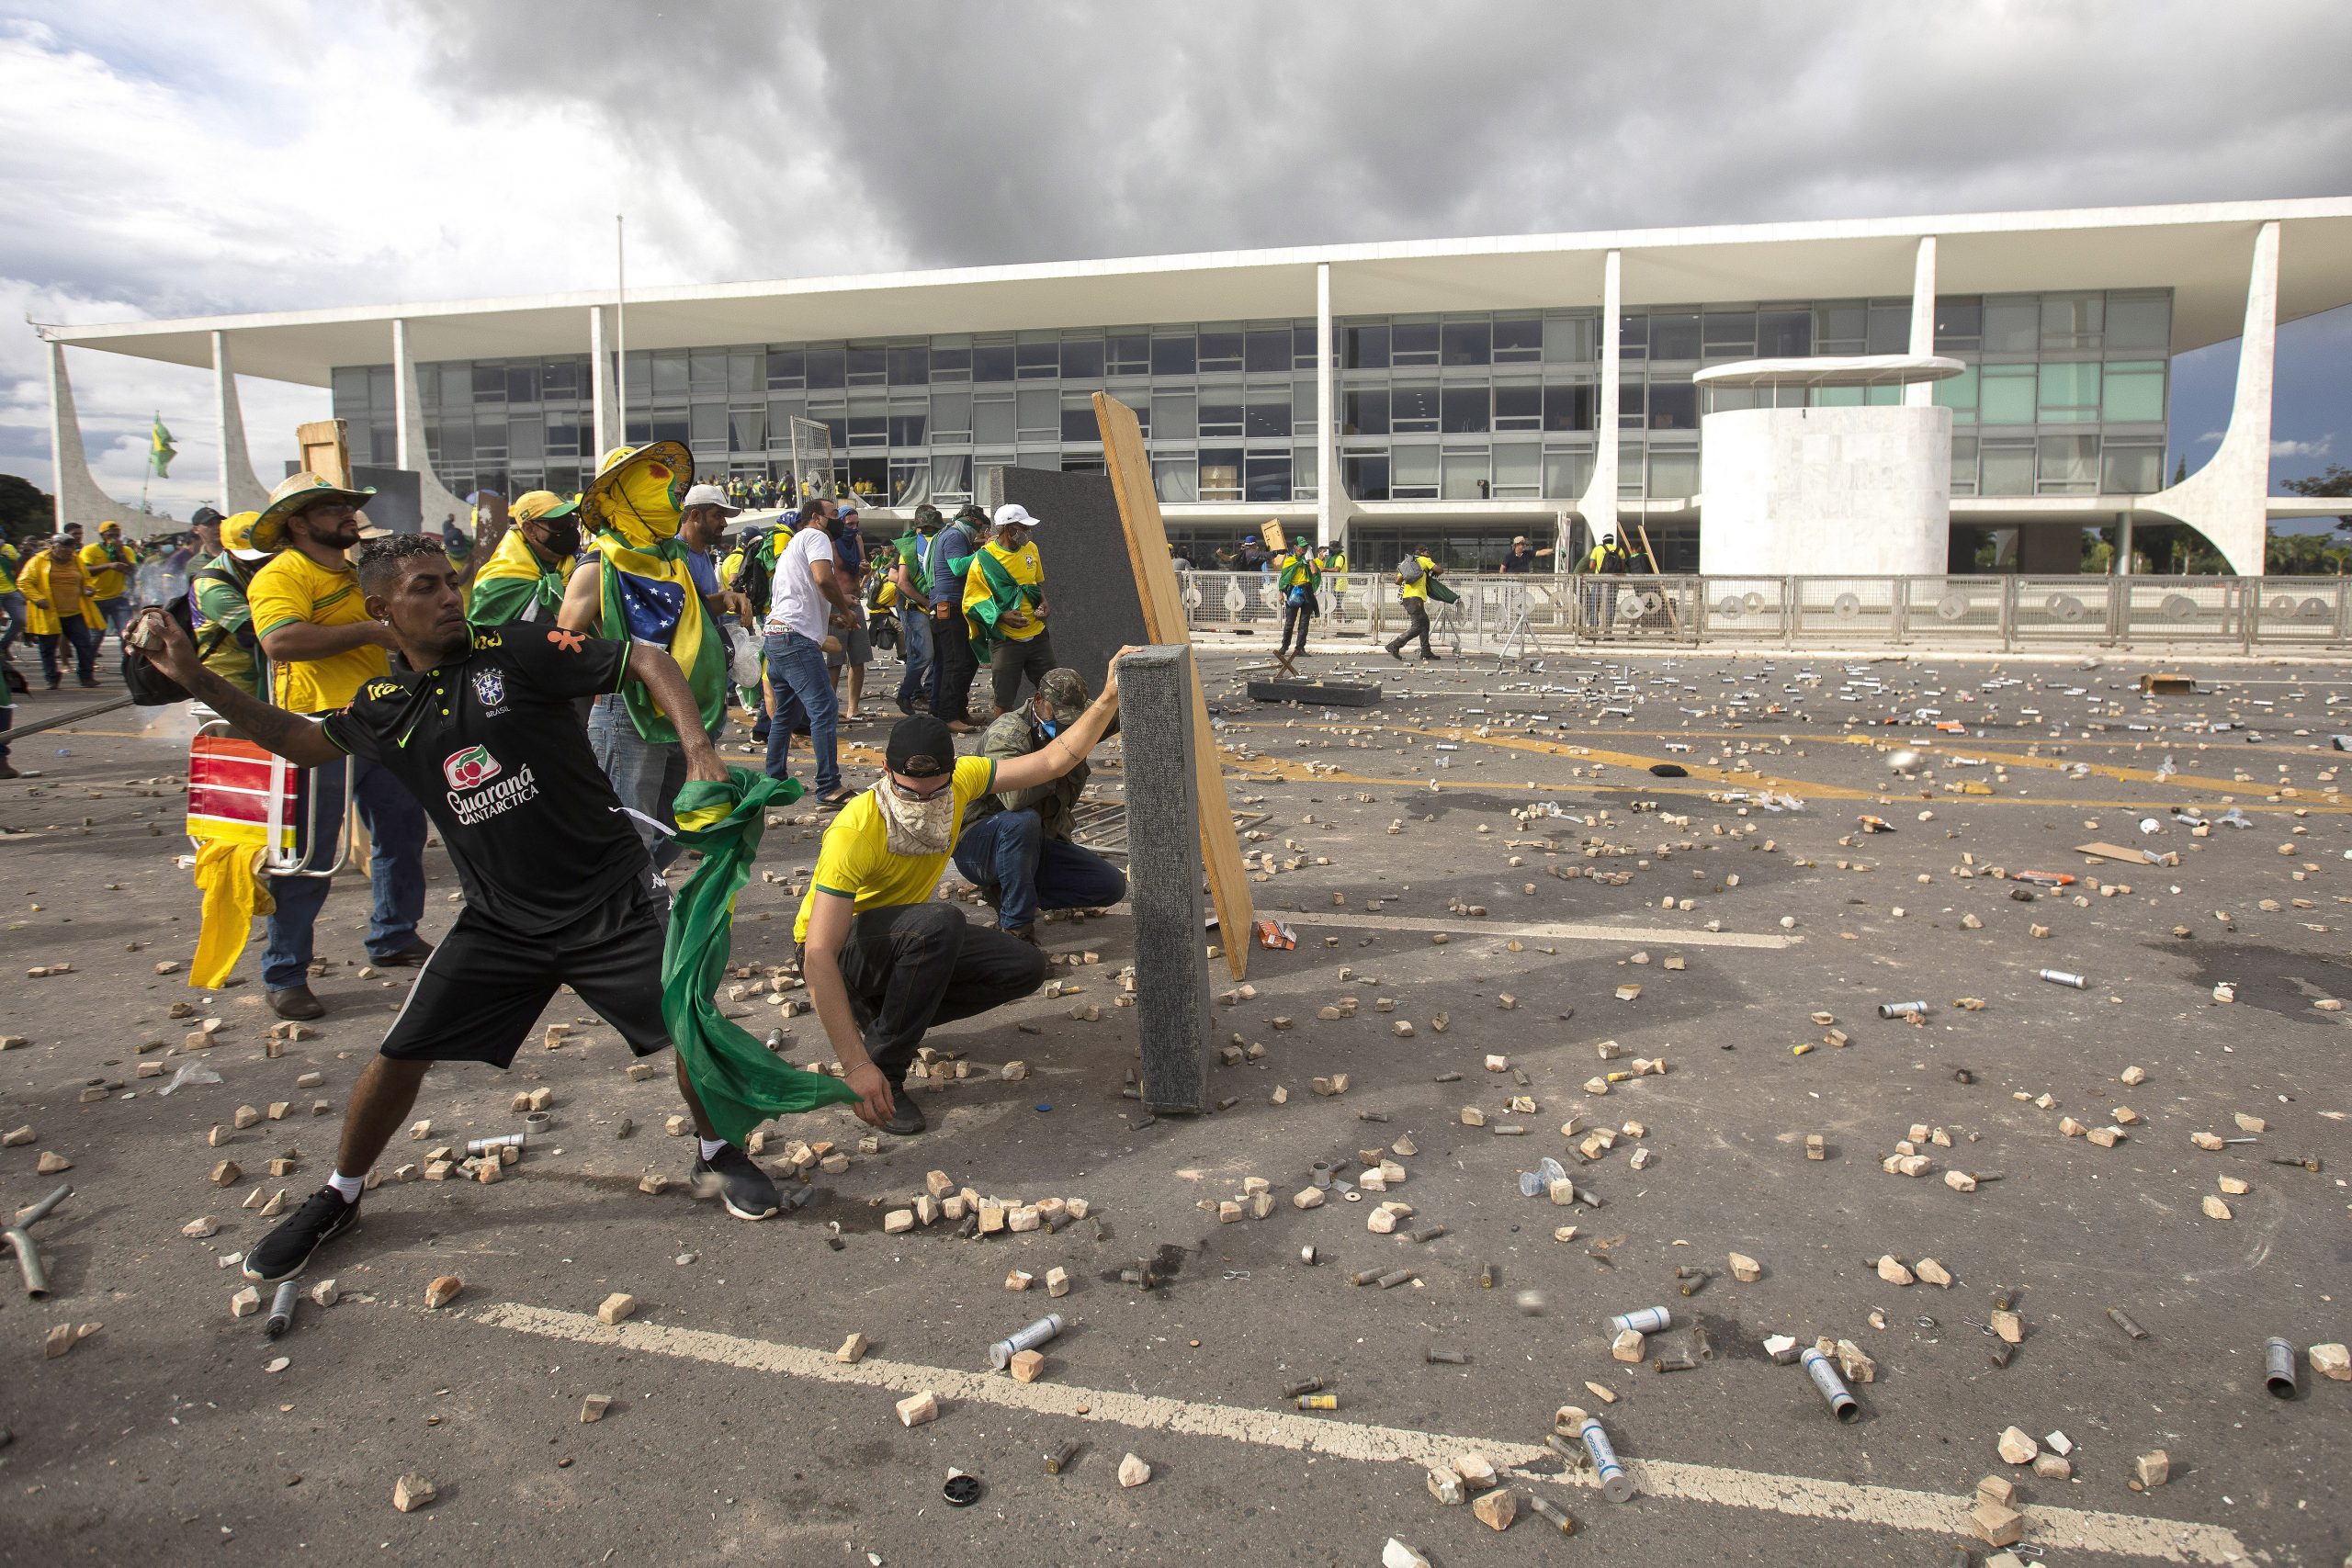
(1004, 606)
(524, 578)
(636, 586)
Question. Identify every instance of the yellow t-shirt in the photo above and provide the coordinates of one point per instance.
(1025, 568)
(856, 861)
(9, 560)
(1420, 587)
(293, 587)
(108, 566)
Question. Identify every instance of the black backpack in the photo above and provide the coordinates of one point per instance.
(149, 687)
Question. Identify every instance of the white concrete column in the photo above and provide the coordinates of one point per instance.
(79, 499)
(1326, 412)
(434, 501)
(240, 490)
(1920, 394)
(602, 389)
(2227, 498)
(1600, 503)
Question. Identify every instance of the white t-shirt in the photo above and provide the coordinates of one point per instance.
(799, 604)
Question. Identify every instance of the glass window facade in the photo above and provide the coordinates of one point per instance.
(1500, 405)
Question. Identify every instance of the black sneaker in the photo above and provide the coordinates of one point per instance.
(412, 956)
(742, 1186)
(285, 1251)
(905, 1121)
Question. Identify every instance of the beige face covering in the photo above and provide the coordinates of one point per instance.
(917, 828)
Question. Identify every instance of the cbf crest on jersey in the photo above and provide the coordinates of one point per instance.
(490, 685)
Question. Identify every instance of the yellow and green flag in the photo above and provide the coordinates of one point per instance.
(160, 450)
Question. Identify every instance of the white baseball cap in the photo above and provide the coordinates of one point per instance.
(710, 495)
(1012, 513)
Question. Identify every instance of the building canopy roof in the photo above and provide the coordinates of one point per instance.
(2200, 251)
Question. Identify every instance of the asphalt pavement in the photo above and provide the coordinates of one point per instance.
(1485, 855)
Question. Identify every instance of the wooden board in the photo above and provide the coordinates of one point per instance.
(325, 450)
(1163, 620)
(1271, 531)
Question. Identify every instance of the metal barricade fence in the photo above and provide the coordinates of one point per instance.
(1526, 616)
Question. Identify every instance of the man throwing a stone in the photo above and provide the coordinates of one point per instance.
(884, 960)
(479, 725)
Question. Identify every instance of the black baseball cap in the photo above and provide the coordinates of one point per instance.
(204, 514)
(920, 748)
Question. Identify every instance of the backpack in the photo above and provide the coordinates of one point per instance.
(149, 687)
(1410, 569)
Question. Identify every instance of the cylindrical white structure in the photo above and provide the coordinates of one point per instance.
(1860, 491)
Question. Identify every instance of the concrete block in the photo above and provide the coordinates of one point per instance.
(1132, 1472)
(592, 1408)
(443, 1290)
(1496, 1509)
(2016, 1449)
(853, 1348)
(1028, 1366)
(1165, 856)
(1058, 1282)
(2150, 1471)
(2332, 1361)
(918, 1408)
(1446, 1487)
(413, 1491)
(619, 1307)
(1996, 1524)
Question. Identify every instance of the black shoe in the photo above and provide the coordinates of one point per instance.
(905, 1120)
(1397, 656)
(906, 706)
(743, 1187)
(284, 1251)
(296, 1002)
(1024, 933)
(412, 956)
(90, 682)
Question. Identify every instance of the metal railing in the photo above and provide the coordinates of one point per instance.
(1512, 616)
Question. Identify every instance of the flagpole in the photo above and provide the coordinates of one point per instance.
(620, 321)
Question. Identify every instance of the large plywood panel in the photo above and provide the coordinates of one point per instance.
(1163, 614)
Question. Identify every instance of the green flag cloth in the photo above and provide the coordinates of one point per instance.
(739, 1081)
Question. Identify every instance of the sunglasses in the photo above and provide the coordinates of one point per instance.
(904, 793)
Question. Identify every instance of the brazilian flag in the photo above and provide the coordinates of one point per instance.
(160, 450)
(649, 596)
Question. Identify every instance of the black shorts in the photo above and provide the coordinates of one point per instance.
(478, 996)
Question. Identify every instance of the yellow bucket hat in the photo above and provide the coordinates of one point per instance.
(639, 492)
(243, 537)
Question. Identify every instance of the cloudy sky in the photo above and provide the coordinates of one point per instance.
(178, 157)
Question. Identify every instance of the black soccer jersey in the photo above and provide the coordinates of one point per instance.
(492, 745)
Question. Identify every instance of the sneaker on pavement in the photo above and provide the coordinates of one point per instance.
(284, 1251)
(412, 956)
(296, 1002)
(743, 1187)
(905, 1121)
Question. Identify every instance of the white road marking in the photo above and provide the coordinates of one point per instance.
(2171, 1540)
(1562, 930)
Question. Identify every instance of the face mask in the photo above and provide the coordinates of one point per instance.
(563, 541)
(917, 827)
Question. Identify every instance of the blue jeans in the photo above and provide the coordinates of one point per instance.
(82, 641)
(914, 652)
(396, 824)
(116, 611)
(12, 620)
(803, 686)
(647, 777)
(1021, 870)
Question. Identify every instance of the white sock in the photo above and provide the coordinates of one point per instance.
(710, 1147)
(347, 1188)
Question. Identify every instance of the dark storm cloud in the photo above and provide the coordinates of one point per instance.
(932, 133)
